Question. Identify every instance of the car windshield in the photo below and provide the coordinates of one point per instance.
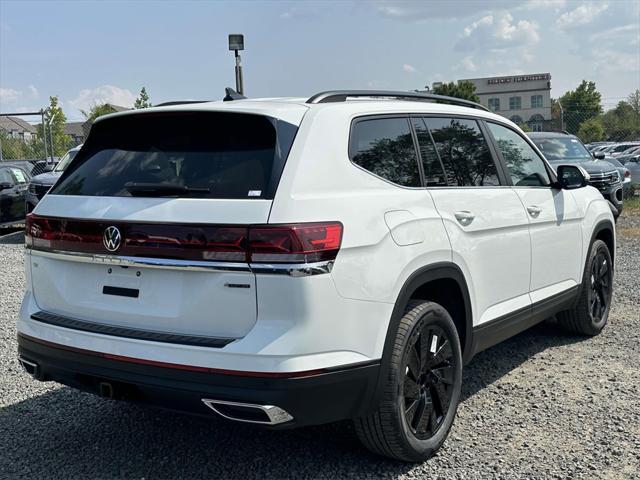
(568, 148)
(65, 161)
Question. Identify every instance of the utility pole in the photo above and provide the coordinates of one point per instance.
(236, 43)
(44, 133)
(561, 116)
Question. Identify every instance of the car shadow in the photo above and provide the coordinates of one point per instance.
(15, 238)
(67, 433)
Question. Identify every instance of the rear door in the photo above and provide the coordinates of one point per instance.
(146, 229)
(483, 217)
(553, 214)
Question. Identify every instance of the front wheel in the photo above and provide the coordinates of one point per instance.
(591, 311)
(422, 389)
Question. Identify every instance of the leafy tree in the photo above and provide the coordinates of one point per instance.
(55, 117)
(143, 100)
(591, 130)
(464, 89)
(634, 100)
(622, 123)
(98, 110)
(580, 105)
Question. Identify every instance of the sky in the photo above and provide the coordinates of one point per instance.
(88, 52)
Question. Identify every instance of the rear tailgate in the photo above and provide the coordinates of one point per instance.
(144, 232)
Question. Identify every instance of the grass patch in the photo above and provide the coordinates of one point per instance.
(632, 205)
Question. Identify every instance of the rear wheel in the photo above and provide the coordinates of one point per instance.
(422, 389)
(591, 311)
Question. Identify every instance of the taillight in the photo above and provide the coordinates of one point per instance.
(297, 243)
(627, 173)
(292, 243)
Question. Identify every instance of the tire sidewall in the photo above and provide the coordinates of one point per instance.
(430, 314)
(597, 247)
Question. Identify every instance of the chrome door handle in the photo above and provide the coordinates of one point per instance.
(464, 217)
(534, 210)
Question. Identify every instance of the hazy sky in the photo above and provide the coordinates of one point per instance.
(90, 51)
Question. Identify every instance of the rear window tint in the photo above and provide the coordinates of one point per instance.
(385, 148)
(184, 154)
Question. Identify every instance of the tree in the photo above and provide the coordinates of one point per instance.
(591, 130)
(98, 110)
(622, 123)
(634, 100)
(54, 121)
(580, 105)
(143, 100)
(464, 89)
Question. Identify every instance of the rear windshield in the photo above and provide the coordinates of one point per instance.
(183, 154)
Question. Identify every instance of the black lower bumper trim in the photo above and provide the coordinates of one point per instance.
(316, 399)
(124, 332)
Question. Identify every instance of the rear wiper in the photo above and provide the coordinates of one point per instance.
(160, 189)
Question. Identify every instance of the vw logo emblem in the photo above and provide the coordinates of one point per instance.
(111, 238)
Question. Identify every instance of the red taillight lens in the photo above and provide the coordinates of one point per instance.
(627, 173)
(298, 243)
(295, 243)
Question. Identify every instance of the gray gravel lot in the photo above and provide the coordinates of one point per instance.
(541, 405)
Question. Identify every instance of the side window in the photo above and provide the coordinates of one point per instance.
(5, 176)
(433, 169)
(463, 151)
(525, 167)
(385, 147)
(20, 175)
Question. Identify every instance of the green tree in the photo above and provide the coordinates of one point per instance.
(580, 105)
(622, 123)
(591, 130)
(98, 110)
(143, 100)
(54, 121)
(634, 100)
(464, 89)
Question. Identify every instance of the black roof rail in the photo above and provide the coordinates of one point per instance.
(180, 102)
(342, 95)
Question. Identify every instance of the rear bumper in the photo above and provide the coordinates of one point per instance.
(314, 398)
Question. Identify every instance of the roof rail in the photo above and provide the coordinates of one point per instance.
(342, 95)
(180, 102)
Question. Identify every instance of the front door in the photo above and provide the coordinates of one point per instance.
(554, 217)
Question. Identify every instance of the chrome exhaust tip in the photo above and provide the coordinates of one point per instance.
(30, 367)
(248, 412)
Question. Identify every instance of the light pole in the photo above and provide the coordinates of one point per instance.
(236, 43)
(51, 134)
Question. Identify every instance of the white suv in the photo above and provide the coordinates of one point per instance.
(290, 262)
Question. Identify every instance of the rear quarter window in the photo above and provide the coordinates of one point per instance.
(181, 154)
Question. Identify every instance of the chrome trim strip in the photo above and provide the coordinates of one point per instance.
(275, 414)
(291, 269)
(146, 262)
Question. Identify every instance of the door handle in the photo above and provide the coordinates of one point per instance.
(534, 210)
(464, 217)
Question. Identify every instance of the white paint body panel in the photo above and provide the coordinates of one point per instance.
(287, 324)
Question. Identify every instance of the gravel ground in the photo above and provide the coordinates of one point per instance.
(540, 405)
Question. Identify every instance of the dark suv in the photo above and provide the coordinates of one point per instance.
(566, 149)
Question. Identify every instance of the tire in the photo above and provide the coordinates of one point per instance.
(429, 383)
(590, 313)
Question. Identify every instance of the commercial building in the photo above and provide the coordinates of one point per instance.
(523, 99)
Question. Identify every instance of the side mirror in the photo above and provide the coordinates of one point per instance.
(598, 155)
(6, 185)
(572, 176)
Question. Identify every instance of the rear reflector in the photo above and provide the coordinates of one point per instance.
(294, 243)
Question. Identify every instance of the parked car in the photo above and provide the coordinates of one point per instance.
(629, 154)
(632, 163)
(566, 149)
(291, 262)
(13, 186)
(618, 148)
(40, 184)
(624, 172)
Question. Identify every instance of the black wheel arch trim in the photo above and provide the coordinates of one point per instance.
(436, 271)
